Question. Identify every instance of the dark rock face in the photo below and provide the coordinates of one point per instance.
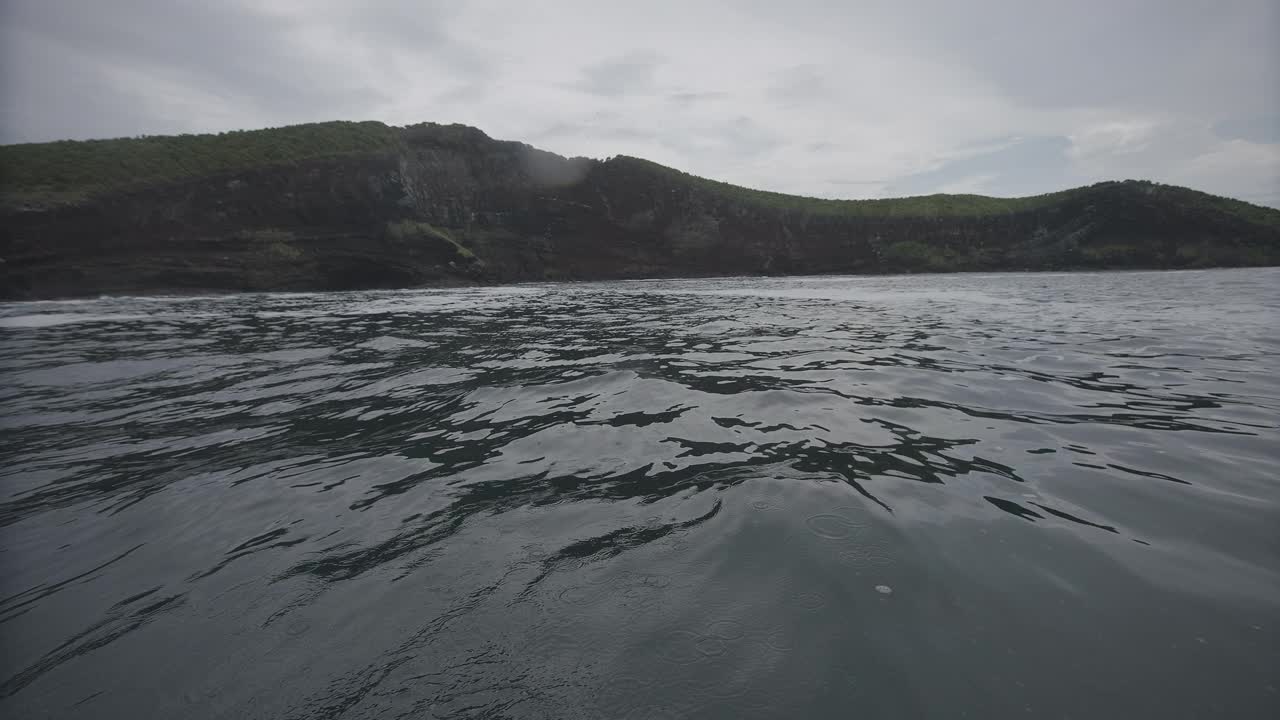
(452, 206)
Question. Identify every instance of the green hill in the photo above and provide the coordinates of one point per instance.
(363, 204)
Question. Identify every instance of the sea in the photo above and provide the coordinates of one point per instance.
(918, 496)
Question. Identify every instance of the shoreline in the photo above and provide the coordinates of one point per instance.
(221, 293)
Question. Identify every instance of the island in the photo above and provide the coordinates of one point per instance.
(356, 205)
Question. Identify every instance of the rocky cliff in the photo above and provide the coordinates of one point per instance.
(364, 205)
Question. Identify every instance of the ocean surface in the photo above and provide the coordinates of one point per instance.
(982, 496)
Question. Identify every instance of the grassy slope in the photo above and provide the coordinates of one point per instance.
(77, 168)
(950, 205)
(925, 205)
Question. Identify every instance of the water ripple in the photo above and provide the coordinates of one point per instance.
(646, 499)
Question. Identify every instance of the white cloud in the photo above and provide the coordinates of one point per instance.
(1117, 137)
(970, 185)
(812, 96)
(1247, 170)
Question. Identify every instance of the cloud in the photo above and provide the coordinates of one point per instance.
(1247, 170)
(799, 84)
(629, 74)
(1015, 166)
(969, 185)
(817, 97)
(689, 98)
(1254, 128)
(176, 63)
(608, 131)
(1116, 137)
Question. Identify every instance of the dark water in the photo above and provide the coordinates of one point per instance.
(953, 496)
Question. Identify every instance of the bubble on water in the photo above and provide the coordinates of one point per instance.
(579, 595)
(558, 642)
(726, 630)
(866, 555)
(811, 601)
(652, 580)
(647, 712)
(602, 576)
(680, 647)
(884, 589)
(635, 591)
(780, 640)
(623, 696)
(710, 646)
(832, 527)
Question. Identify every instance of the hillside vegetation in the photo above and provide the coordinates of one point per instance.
(945, 205)
(80, 167)
(362, 204)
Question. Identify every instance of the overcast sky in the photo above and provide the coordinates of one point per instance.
(833, 98)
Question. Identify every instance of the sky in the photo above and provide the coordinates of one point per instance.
(828, 98)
